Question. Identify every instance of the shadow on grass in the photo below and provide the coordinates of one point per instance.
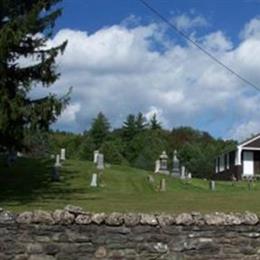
(30, 179)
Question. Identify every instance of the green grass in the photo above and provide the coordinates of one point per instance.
(27, 186)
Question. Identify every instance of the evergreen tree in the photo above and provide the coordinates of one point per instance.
(129, 128)
(25, 62)
(99, 129)
(140, 122)
(154, 123)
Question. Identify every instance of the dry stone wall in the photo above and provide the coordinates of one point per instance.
(72, 233)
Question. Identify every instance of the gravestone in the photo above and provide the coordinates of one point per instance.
(212, 185)
(157, 166)
(162, 185)
(183, 172)
(93, 180)
(250, 182)
(176, 165)
(150, 179)
(52, 156)
(189, 176)
(95, 156)
(100, 162)
(57, 163)
(163, 163)
(55, 175)
(63, 154)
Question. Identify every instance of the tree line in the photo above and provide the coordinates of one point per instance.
(139, 143)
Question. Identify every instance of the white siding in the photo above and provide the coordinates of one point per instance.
(221, 163)
(228, 161)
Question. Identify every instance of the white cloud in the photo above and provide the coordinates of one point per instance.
(185, 22)
(119, 71)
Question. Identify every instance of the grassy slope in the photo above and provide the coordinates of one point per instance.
(27, 186)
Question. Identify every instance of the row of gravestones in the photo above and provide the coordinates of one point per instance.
(178, 170)
(98, 159)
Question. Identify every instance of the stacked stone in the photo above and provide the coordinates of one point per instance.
(72, 233)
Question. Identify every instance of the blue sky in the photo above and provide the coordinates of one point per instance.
(122, 59)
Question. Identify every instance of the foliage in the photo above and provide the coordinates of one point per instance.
(99, 129)
(36, 143)
(129, 128)
(26, 62)
(154, 123)
(86, 148)
(112, 153)
(146, 147)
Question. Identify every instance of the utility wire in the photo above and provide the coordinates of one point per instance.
(214, 58)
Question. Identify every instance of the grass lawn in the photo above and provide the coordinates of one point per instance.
(27, 186)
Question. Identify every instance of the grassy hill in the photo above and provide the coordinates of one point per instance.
(27, 186)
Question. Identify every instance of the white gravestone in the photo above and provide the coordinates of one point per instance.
(57, 163)
(162, 185)
(163, 163)
(157, 166)
(212, 185)
(183, 171)
(95, 157)
(189, 176)
(176, 165)
(93, 180)
(100, 162)
(63, 154)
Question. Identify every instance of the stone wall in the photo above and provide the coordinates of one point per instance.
(73, 234)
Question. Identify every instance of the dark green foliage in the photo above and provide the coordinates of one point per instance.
(25, 26)
(154, 123)
(99, 129)
(111, 151)
(129, 128)
(69, 141)
(36, 143)
(86, 148)
(140, 122)
(146, 147)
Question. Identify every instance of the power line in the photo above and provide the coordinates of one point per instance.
(214, 58)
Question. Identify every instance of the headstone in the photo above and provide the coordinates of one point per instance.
(93, 180)
(63, 154)
(11, 157)
(95, 156)
(57, 163)
(163, 185)
(100, 162)
(19, 154)
(250, 182)
(55, 176)
(163, 163)
(176, 165)
(189, 176)
(150, 179)
(183, 172)
(52, 156)
(157, 166)
(212, 185)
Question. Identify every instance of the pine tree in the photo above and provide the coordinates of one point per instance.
(140, 122)
(154, 123)
(99, 129)
(129, 128)
(27, 62)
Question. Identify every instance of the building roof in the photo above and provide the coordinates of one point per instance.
(249, 140)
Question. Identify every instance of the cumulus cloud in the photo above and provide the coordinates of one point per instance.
(185, 21)
(119, 70)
